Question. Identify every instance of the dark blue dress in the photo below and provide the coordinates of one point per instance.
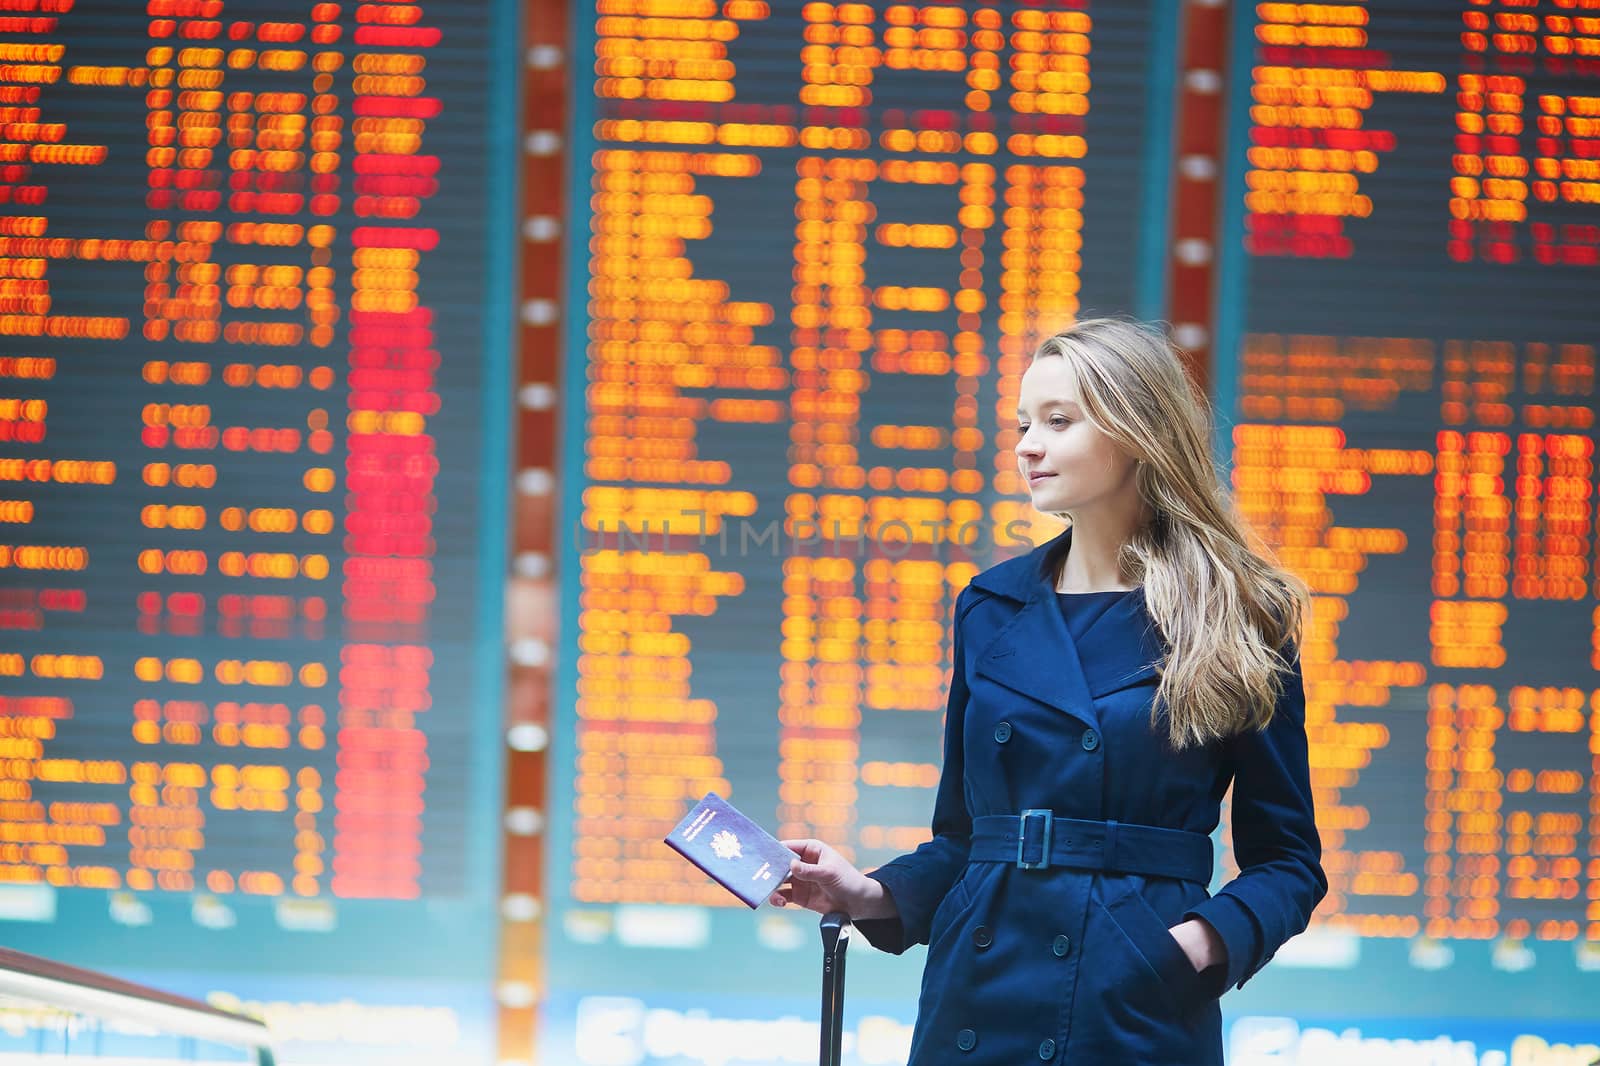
(1082, 609)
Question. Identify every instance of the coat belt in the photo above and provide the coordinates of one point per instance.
(1036, 839)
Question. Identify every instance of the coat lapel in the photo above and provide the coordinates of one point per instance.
(1033, 653)
(1121, 647)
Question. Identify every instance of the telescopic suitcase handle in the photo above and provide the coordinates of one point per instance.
(835, 927)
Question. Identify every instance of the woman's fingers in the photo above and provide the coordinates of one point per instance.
(809, 849)
(795, 893)
(813, 868)
(815, 875)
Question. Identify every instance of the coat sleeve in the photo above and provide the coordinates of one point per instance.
(1275, 840)
(919, 881)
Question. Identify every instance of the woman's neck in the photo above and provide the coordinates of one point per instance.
(1091, 564)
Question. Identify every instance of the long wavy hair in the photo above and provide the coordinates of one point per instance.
(1228, 617)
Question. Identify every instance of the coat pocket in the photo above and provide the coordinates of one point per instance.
(1150, 936)
(955, 902)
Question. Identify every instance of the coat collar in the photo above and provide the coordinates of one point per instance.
(1034, 653)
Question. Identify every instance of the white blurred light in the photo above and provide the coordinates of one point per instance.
(540, 312)
(1320, 949)
(1197, 167)
(527, 736)
(524, 821)
(531, 564)
(1192, 251)
(1190, 335)
(520, 907)
(537, 396)
(535, 481)
(1202, 80)
(529, 651)
(542, 142)
(655, 926)
(544, 57)
(541, 228)
(515, 994)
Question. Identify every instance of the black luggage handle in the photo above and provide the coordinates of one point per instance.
(835, 927)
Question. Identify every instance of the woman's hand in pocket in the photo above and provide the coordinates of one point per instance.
(822, 880)
(1200, 942)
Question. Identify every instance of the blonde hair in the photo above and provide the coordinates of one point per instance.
(1225, 613)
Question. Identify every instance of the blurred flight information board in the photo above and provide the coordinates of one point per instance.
(820, 236)
(242, 296)
(1415, 323)
(822, 239)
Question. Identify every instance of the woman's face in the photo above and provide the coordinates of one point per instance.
(1075, 468)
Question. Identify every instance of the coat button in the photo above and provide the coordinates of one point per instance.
(1061, 946)
(1002, 732)
(1047, 1050)
(982, 937)
(1091, 740)
(966, 1040)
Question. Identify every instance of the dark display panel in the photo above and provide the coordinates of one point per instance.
(803, 339)
(819, 239)
(247, 321)
(1414, 395)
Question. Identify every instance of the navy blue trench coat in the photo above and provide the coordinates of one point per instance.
(1054, 946)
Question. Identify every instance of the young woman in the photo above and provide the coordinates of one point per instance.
(1108, 687)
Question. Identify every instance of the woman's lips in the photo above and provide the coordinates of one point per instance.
(1038, 477)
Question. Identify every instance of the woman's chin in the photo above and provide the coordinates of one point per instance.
(1046, 489)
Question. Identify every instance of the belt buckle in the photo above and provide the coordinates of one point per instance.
(1022, 837)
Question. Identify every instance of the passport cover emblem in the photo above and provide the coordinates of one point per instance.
(725, 845)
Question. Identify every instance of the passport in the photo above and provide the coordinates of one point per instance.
(736, 852)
